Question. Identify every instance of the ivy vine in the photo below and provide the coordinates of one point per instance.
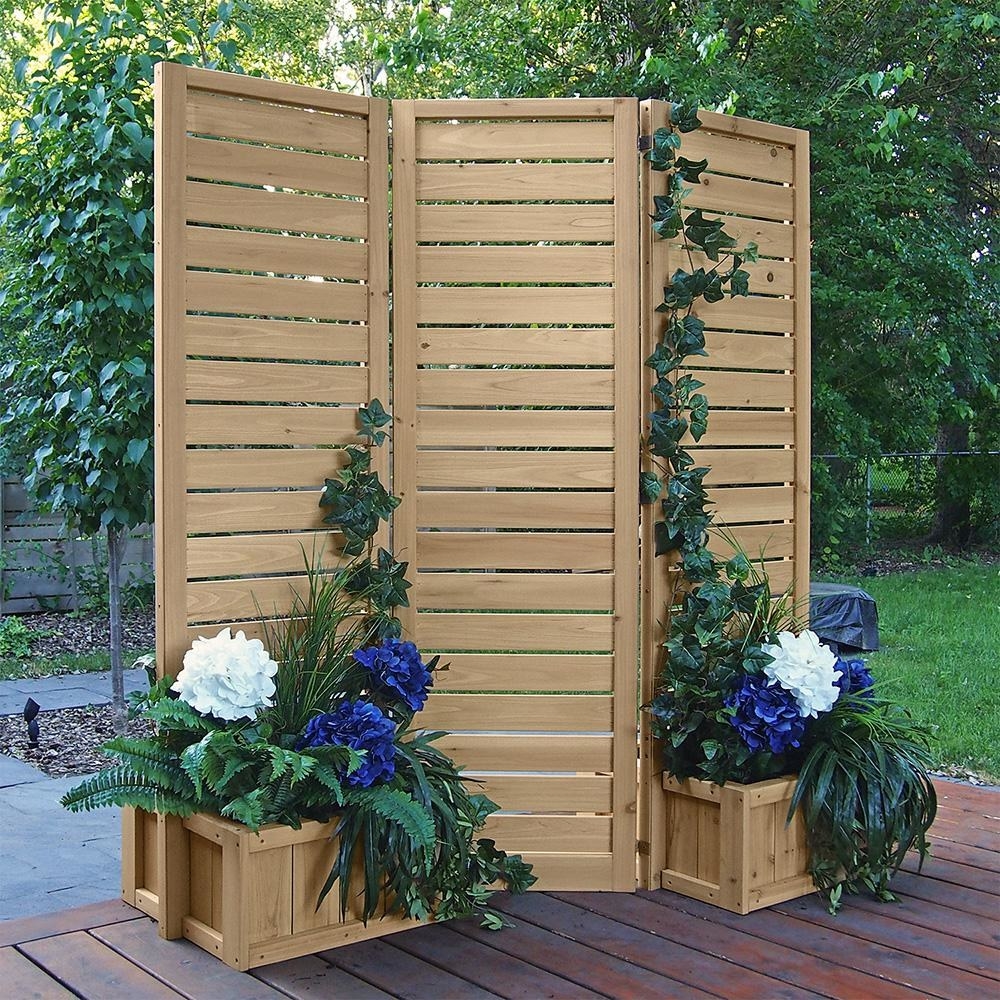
(678, 482)
(358, 502)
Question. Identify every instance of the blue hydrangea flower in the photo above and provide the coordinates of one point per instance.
(359, 725)
(397, 671)
(855, 678)
(767, 715)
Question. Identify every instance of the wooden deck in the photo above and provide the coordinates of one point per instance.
(942, 939)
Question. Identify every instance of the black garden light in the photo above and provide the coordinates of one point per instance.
(31, 708)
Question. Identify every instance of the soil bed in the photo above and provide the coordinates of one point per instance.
(69, 739)
(68, 633)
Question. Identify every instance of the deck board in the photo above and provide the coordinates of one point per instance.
(942, 939)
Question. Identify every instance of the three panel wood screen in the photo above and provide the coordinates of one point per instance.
(518, 334)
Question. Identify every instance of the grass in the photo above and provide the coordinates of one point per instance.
(940, 636)
(77, 663)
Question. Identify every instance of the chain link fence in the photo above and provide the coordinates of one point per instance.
(897, 496)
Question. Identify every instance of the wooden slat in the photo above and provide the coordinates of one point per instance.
(803, 362)
(539, 832)
(515, 182)
(581, 872)
(242, 250)
(512, 592)
(280, 125)
(515, 140)
(755, 389)
(514, 550)
(773, 239)
(510, 753)
(760, 503)
(232, 600)
(226, 205)
(515, 305)
(261, 88)
(238, 163)
(733, 194)
(766, 277)
(547, 793)
(745, 350)
(522, 672)
(756, 312)
(628, 429)
(746, 465)
(745, 158)
(260, 468)
(516, 428)
(207, 512)
(267, 382)
(534, 509)
(518, 712)
(169, 415)
(219, 292)
(229, 337)
(502, 109)
(770, 541)
(520, 263)
(541, 470)
(285, 425)
(475, 632)
(577, 346)
(515, 223)
(91, 969)
(514, 387)
(240, 555)
(22, 978)
(750, 427)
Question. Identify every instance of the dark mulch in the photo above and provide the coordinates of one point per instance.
(69, 739)
(61, 633)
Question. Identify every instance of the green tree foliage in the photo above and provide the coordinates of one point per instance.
(901, 100)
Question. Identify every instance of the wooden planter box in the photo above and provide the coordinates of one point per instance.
(249, 899)
(730, 845)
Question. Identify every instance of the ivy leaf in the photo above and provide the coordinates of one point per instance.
(709, 234)
(372, 417)
(650, 487)
(739, 283)
(661, 151)
(684, 116)
(691, 170)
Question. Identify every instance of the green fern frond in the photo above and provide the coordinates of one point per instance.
(247, 809)
(154, 763)
(122, 786)
(398, 807)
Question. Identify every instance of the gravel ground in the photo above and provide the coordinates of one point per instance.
(87, 632)
(69, 739)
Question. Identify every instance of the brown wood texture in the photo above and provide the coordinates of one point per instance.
(547, 607)
(273, 334)
(756, 378)
(938, 940)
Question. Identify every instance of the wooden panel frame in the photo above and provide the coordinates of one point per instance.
(763, 379)
(508, 346)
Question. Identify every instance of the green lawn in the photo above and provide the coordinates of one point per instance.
(77, 663)
(940, 656)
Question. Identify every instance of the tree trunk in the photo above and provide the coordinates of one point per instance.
(116, 551)
(952, 515)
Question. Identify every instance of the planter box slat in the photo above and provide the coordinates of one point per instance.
(731, 846)
(249, 899)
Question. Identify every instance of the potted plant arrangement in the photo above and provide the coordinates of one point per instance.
(784, 769)
(280, 771)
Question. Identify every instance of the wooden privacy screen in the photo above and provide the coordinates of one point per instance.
(519, 335)
(756, 378)
(516, 379)
(271, 328)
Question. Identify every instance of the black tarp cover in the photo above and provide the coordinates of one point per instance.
(844, 617)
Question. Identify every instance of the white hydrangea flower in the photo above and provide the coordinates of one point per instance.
(230, 677)
(804, 666)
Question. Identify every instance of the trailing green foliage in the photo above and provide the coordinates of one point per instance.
(865, 796)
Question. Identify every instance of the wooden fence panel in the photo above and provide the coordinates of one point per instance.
(272, 328)
(516, 402)
(756, 376)
(46, 565)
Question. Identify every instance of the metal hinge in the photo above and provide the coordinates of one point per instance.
(642, 848)
(644, 142)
